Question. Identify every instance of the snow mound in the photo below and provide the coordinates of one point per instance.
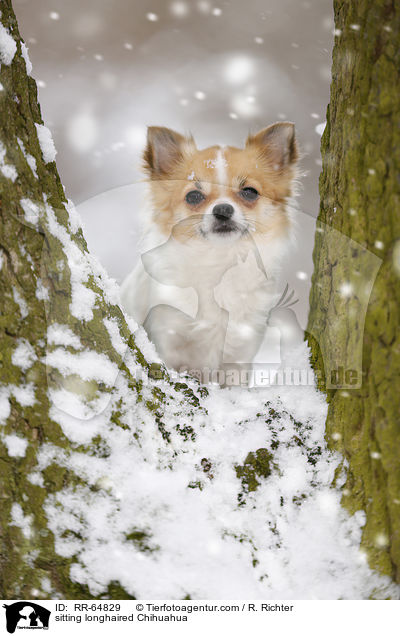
(231, 500)
(46, 143)
(8, 46)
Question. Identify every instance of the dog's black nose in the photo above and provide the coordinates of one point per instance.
(223, 211)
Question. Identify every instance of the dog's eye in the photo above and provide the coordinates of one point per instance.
(194, 197)
(249, 194)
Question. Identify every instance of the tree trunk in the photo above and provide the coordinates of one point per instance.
(360, 200)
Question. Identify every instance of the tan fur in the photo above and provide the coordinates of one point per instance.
(255, 166)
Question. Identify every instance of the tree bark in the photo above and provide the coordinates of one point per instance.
(360, 197)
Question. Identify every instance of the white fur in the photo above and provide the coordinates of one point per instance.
(220, 166)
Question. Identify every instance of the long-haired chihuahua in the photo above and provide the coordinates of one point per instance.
(219, 223)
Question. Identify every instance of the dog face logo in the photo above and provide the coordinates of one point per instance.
(26, 615)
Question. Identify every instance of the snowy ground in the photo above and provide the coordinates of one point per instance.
(171, 519)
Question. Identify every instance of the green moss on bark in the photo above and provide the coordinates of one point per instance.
(360, 196)
(256, 465)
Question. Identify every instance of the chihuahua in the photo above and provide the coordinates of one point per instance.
(219, 222)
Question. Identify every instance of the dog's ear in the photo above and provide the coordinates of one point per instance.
(277, 143)
(165, 148)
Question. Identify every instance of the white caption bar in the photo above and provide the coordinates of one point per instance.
(170, 617)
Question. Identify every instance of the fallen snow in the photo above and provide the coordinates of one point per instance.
(204, 534)
(20, 520)
(62, 335)
(42, 293)
(25, 55)
(5, 408)
(16, 446)
(7, 170)
(75, 222)
(88, 365)
(36, 478)
(46, 143)
(31, 211)
(83, 265)
(8, 46)
(24, 393)
(83, 298)
(319, 128)
(23, 355)
(30, 159)
(118, 343)
(21, 302)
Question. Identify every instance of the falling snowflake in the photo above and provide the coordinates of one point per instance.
(381, 540)
(244, 105)
(204, 6)
(239, 69)
(82, 131)
(179, 9)
(346, 290)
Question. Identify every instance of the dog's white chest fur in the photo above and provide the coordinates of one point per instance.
(204, 307)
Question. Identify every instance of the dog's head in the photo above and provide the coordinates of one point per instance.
(222, 194)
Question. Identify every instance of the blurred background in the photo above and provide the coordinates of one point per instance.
(108, 68)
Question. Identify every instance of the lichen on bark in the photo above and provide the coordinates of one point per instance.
(360, 198)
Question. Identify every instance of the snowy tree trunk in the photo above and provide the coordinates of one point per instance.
(62, 336)
(360, 198)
